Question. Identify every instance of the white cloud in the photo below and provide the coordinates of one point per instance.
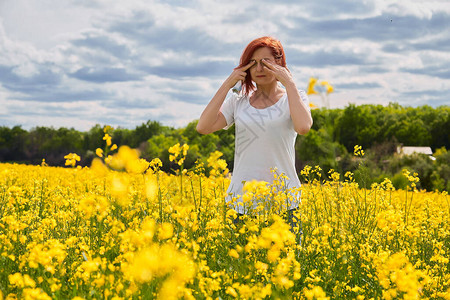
(79, 63)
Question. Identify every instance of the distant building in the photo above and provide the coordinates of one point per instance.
(407, 150)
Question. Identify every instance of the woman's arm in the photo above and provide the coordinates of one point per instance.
(211, 118)
(300, 114)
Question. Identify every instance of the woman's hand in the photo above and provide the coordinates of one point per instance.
(211, 118)
(300, 114)
(238, 75)
(282, 74)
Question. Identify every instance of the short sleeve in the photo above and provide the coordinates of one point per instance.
(305, 99)
(228, 109)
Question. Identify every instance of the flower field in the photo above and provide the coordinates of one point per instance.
(123, 229)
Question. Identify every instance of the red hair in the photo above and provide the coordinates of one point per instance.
(266, 41)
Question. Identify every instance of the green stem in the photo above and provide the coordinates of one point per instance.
(193, 195)
(159, 198)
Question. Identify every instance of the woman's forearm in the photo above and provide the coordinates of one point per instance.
(210, 120)
(210, 114)
(300, 114)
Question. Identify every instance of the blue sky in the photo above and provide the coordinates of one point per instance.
(77, 63)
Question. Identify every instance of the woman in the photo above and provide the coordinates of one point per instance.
(268, 117)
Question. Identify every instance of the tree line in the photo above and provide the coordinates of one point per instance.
(378, 129)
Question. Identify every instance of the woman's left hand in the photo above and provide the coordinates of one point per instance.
(282, 74)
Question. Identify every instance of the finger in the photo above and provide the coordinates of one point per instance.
(246, 67)
(241, 77)
(268, 64)
(242, 74)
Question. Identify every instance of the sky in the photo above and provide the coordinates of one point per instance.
(78, 63)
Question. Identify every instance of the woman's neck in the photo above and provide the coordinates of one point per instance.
(266, 95)
(268, 90)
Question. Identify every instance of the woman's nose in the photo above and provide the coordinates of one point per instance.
(259, 66)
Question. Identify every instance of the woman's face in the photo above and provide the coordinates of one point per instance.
(258, 71)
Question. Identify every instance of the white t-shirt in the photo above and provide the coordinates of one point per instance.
(264, 140)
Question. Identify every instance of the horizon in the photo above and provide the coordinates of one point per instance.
(180, 127)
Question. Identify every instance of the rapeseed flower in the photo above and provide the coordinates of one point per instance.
(310, 90)
(165, 231)
(178, 151)
(163, 262)
(218, 166)
(99, 152)
(71, 159)
(329, 88)
(124, 230)
(358, 151)
(233, 253)
(315, 292)
(108, 139)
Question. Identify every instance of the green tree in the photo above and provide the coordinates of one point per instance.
(93, 139)
(158, 147)
(145, 131)
(440, 177)
(202, 145)
(356, 126)
(317, 148)
(12, 143)
(440, 137)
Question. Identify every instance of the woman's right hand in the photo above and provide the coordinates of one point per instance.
(211, 118)
(238, 75)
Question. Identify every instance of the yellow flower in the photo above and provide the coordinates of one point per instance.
(231, 291)
(315, 293)
(137, 166)
(397, 274)
(163, 261)
(177, 150)
(233, 253)
(256, 187)
(185, 148)
(71, 159)
(273, 253)
(310, 90)
(328, 86)
(16, 280)
(358, 151)
(98, 167)
(312, 105)
(107, 128)
(60, 223)
(35, 293)
(119, 189)
(93, 205)
(219, 166)
(151, 187)
(165, 231)
(125, 158)
(99, 152)
(156, 164)
(108, 139)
